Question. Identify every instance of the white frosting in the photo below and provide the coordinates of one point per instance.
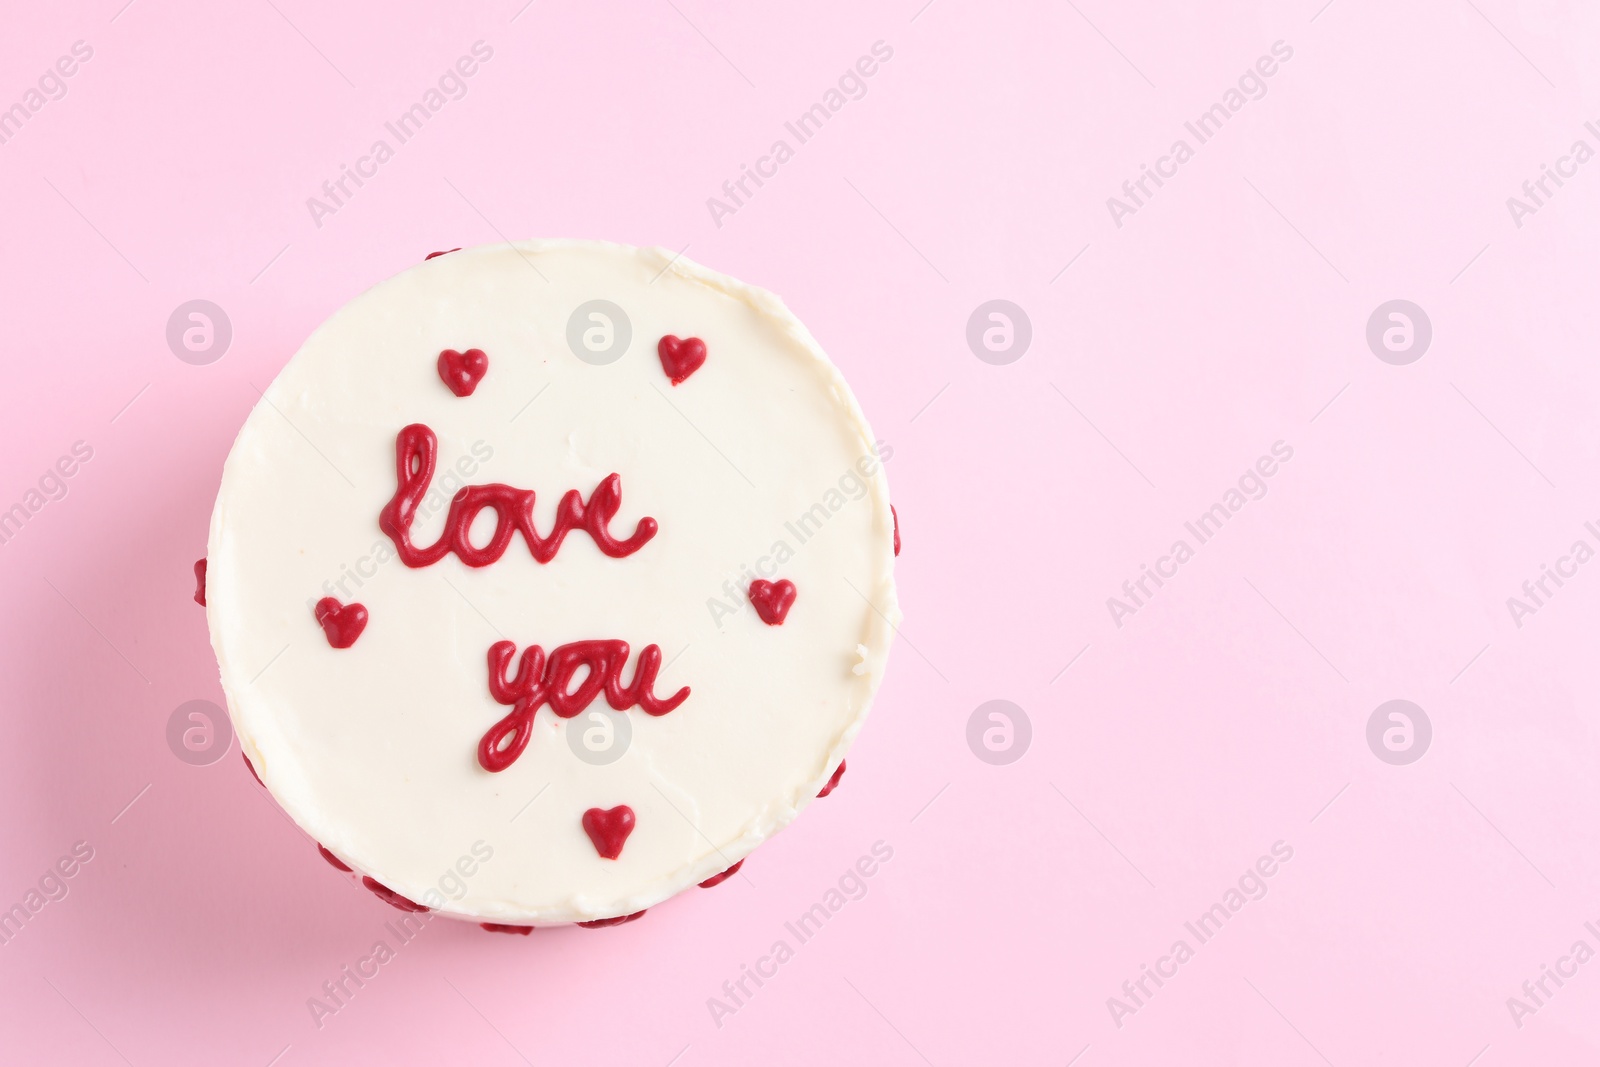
(373, 749)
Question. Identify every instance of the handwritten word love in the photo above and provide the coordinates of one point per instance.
(538, 681)
(416, 456)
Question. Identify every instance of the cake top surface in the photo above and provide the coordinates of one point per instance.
(419, 666)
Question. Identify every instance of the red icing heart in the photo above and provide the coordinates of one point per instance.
(772, 599)
(718, 879)
(200, 581)
(502, 928)
(389, 896)
(462, 371)
(342, 623)
(838, 774)
(618, 920)
(681, 358)
(608, 829)
(331, 858)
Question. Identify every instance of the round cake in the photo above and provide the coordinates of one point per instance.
(548, 580)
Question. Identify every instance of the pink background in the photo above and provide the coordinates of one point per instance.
(1229, 713)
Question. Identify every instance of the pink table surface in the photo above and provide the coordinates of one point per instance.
(1169, 748)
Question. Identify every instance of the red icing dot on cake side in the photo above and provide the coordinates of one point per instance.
(609, 828)
(342, 623)
(896, 517)
(462, 371)
(331, 858)
(251, 767)
(436, 255)
(681, 358)
(718, 879)
(200, 581)
(389, 896)
(503, 928)
(417, 453)
(596, 924)
(832, 782)
(772, 599)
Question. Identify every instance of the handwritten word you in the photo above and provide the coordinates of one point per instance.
(539, 681)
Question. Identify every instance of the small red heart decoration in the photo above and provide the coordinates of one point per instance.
(681, 358)
(772, 599)
(503, 928)
(462, 371)
(718, 879)
(389, 896)
(608, 829)
(832, 782)
(342, 623)
(200, 581)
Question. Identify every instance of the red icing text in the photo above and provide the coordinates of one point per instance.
(416, 454)
(538, 682)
